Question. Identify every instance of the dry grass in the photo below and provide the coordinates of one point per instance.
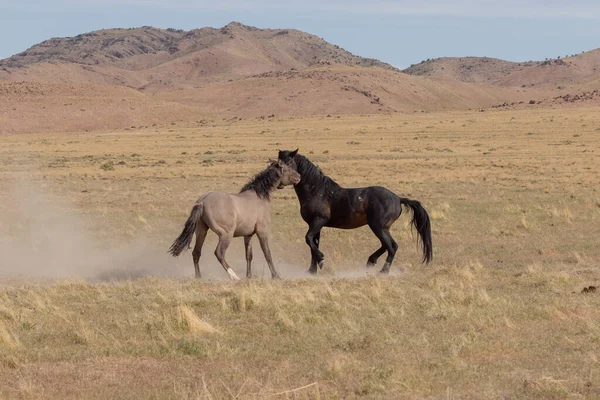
(188, 320)
(7, 339)
(499, 314)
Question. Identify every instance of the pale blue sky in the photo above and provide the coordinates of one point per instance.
(400, 32)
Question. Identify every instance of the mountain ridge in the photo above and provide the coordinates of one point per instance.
(119, 46)
(580, 69)
(117, 78)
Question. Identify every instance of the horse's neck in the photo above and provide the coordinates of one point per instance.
(318, 177)
(308, 190)
(274, 186)
(303, 192)
(251, 196)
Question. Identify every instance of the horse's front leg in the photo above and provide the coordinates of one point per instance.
(314, 259)
(263, 238)
(248, 246)
(313, 237)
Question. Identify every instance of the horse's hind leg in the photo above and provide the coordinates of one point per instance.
(248, 246)
(224, 242)
(201, 231)
(391, 252)
(372, 261)
(387, 243)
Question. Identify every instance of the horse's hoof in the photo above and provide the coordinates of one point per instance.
(385, 270)
(321, 263)
(370, 264)
(276, 277)
(232, 275)
(312, 271)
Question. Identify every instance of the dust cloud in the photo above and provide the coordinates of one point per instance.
(46, 238)
(42, 237)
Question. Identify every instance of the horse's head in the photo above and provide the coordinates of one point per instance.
(288, 157)
(288, 175)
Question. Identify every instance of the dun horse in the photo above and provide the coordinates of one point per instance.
(324, 203)
(233, 215)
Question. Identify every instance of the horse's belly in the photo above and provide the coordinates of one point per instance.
(356, 220)
(244, 229)
(246, 222)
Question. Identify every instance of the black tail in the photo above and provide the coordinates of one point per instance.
(185, 238)
(421, 223)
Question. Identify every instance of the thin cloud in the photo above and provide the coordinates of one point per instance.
(523, 9)
(549, 9)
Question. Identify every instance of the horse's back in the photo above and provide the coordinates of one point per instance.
(361, 197)
(234, 214)
(381, 191)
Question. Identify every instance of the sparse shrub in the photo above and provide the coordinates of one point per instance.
(108, 166)
(191, 348)
(27, 326)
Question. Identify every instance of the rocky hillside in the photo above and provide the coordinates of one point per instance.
(118, 78)
(468, 69)
(146, 56)
(576, 72)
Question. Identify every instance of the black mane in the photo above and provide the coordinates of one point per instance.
(312, 174)
(264, 182)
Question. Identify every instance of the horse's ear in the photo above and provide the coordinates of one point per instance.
(293, 153)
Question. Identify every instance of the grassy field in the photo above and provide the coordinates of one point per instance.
(92, 307)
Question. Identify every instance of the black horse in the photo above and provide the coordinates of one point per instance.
(325, 203)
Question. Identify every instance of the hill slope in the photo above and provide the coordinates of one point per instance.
(338, 90)
(468, 69)
(577, 72)
(116, 78)
(29, 107)
(149, 56)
